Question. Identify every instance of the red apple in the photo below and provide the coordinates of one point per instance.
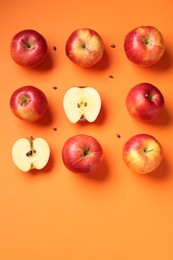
(145, 102)
(28, 103)
(144, 45)
(28, 48)
(142, 153)
(82, 154)
(84, 47)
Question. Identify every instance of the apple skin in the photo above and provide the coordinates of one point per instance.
(144, 45)
(28, 48)
(145, 102)
(82, 154)
(28, 103)
(84, 47)
(142, 153)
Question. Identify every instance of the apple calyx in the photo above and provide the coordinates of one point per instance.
(147, 42)
(81, 104)
(86, 151)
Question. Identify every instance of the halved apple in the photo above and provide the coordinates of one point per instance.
(82, 103)
(30, 153)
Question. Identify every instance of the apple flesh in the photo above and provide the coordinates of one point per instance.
(84, 47)
(30, 153)
(82, 154)
(82, 104)
(145, 102)
(142, 153)
(28, 48)
(28, 103)
(144, 45)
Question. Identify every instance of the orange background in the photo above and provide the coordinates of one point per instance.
(113, 214)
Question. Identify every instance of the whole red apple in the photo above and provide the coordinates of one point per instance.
(28, 103)
(28, 48)
(144, 45)
(84, 47)
(82, 154)
(142, 153)
(145, 102)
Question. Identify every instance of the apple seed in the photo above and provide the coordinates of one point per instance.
(81, 103)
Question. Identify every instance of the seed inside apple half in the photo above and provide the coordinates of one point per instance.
(82, 103)
(30, 153)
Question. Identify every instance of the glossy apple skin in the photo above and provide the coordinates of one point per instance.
(82, 154)
(84, 47)
(28, 48)
(28, 103)
(145, 102)
(142, 153)
(144, 45)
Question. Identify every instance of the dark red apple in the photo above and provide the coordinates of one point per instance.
(28, 48)
(145, 102)
(82, 154)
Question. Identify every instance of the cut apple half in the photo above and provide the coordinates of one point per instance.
(82, 103)
(30, 153)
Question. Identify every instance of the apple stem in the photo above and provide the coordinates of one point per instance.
(148, 150)
(26, 44)
(31, 138)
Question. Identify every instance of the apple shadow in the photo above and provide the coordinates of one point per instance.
(103, 63)
(100, 175)
(46, 119)
(162, 172)
(163, 119)
(46, 65)
(164, 63)
(102, 115)
(46, 170)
